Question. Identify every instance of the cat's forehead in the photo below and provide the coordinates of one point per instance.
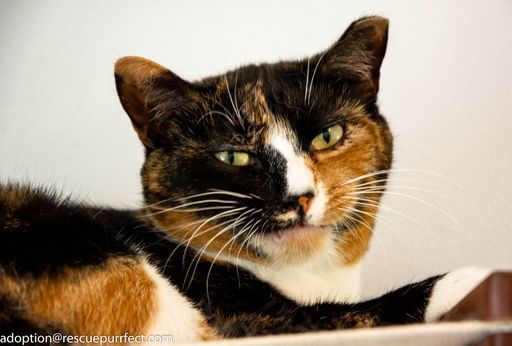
(282, 99)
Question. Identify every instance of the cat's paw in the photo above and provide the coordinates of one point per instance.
(451, 289)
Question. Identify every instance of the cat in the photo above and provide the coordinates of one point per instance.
(256, 214)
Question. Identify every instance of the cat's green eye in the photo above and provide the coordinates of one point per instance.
(234, 158)
(327, 138)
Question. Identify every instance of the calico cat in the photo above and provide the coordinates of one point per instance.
(255, 218)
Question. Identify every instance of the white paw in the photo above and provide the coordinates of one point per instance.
(451, 289)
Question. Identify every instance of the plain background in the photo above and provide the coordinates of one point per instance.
(446, 90)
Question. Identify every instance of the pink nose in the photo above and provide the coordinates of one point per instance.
(305, 202)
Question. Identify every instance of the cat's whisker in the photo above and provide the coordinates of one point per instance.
(183, 205)
(246, 226)
(381, 219)
(210, 113)
(237, 111)
(245, 240)
(372, 203)
(396, 170)
(180, 209)
(393, 179)
(390, 187)
(208, 193)
(313, 76)
(393, 193)
(221, 192)
(237, 108)
(159, 202)
(230, 223)
(215, 217)
(354, 222)
(388, 222)
(201, 252)
(182, 242)
(162, 211)
(307, 82)
(226, 111)
(391, 225)
(253, 230)
(187, 239)
(250, 217)
(231, 241)
(236, 194)
(353, 218)
(363, 176)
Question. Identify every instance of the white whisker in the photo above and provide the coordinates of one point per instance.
(217, 113)
(415, 199)
(389, 187)
(393, 179)
(231, 241)
(215, 217)
(201, 252)
(372, 203)
(313, 75)
(400, 170)
(237, 111)
(307, 82)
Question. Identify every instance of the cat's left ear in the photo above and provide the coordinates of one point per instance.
(152, 95)
(358, 55)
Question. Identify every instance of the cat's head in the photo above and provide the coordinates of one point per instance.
(268, 163)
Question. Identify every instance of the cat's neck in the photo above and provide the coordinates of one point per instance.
(320, 279)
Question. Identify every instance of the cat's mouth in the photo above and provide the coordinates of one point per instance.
(295, 232)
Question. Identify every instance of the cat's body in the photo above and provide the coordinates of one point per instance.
(261, 189)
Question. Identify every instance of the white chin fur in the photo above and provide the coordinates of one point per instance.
(451, 289)
(318, 206)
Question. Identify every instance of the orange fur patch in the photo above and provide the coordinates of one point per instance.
(192, 231)
(13, 197)
(358, 156)
(111, 299)
(138, 71)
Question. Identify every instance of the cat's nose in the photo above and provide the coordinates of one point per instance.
(301, 202)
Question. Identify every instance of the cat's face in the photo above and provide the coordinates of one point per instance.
(265, 163)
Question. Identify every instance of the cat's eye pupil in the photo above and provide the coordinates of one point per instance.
(326, 136)
(234, 158)
(231, 157)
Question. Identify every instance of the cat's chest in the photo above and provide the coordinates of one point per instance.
(323, 280)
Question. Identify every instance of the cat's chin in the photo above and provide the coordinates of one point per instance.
(295, 244)
(297, 233)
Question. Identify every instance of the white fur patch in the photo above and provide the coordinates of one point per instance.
(299, 177)
(317, 210)
(176, 315)
(451, 289)
(319, 279)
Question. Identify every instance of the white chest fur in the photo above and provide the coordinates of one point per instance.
(315, 283)
(321, 279)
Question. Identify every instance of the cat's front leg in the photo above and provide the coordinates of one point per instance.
(451, 288)
(426, 301)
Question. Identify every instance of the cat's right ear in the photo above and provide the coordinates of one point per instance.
(150, 94)
(358, 55)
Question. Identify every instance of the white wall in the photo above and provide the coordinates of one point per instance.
(446, 90)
